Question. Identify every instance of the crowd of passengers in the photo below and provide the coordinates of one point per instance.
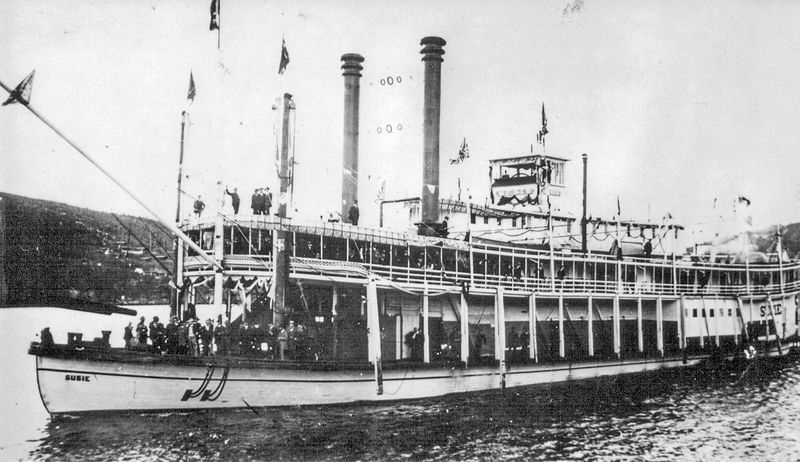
(193, 338)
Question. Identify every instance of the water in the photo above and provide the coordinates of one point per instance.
(691, 415)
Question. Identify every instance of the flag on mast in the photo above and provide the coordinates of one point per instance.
(284, 57)
(215, 6)
(22, 92)
(192, 90)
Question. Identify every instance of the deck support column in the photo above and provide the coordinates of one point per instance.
(334, 320)
(561, 345)
(500, 330)
(590, 327)
(615, 315)
(660, 325)
(374, 334)
(533, 347)
(532, 327)
(426, 354)
(682, 323)
(639, 331)
(464, 329)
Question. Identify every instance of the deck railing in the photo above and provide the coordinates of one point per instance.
(417, 260)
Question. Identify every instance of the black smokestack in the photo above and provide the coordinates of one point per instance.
(432, 52)
(352, 75)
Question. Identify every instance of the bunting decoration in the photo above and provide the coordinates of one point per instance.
(284, 58)
(215, 7)
(22, 92)
(192, 91)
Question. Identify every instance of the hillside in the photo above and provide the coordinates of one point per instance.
(50, 250)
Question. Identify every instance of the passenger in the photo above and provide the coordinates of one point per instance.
(207, 336)
(254, 199)
(141, 332)
(234, 199)
(192, 335)
(183, 338)
(171, 334)
(47, 338)
(221, 337)
(156, 334)
(283, 339)
(199, 206)
(272, 340)
(478, 342)
(292, 341)
(354, 213)
(128, 336)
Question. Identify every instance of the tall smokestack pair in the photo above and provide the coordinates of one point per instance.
(432, 52)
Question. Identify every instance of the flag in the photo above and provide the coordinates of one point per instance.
(22, 93)
(215, 6)
(543, 131)
(744, 200)
(463, 153)
(381, 193)
(192, 90)
(619, 210)
(284, 57)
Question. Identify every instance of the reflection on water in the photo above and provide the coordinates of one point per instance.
(695, 414)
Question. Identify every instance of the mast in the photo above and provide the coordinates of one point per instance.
(584, 243)
(177, 270)
(282, 245)
(169, 225)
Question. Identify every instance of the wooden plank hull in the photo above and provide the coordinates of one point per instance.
(72, 386)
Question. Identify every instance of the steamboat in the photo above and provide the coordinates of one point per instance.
(445, 296)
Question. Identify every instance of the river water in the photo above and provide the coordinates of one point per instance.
(695, 415)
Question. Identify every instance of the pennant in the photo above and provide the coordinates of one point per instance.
(431, 188)
(543, 131)
(215, 6)
(22, 93)
(284, 58)
(192, 91)
(463, 153)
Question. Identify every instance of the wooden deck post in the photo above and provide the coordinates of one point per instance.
(615, 315)
(561, 343)
(660, 325)
(219, 253)
(425, 334)
(464, 329)
(533, 347)
(500, 320)
(640, 333)
(681, 323)
(590, 327)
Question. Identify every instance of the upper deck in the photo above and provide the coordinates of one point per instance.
(344, 253)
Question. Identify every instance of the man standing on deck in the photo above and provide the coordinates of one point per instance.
(353, 213)
(141, 332)
(234, 199)
(254, 202)
(199, 206)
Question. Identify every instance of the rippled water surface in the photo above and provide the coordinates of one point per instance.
(696, 414)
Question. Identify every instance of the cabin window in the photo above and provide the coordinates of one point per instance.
(513, 222)
(485, 220)
(738, 312)
(472, 218)
(711, 313)
(499, 222)
(694, 312)
(703, 312)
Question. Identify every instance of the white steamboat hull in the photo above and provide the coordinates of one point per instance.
(80, 385)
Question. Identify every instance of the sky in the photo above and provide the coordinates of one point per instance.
(679, 105)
